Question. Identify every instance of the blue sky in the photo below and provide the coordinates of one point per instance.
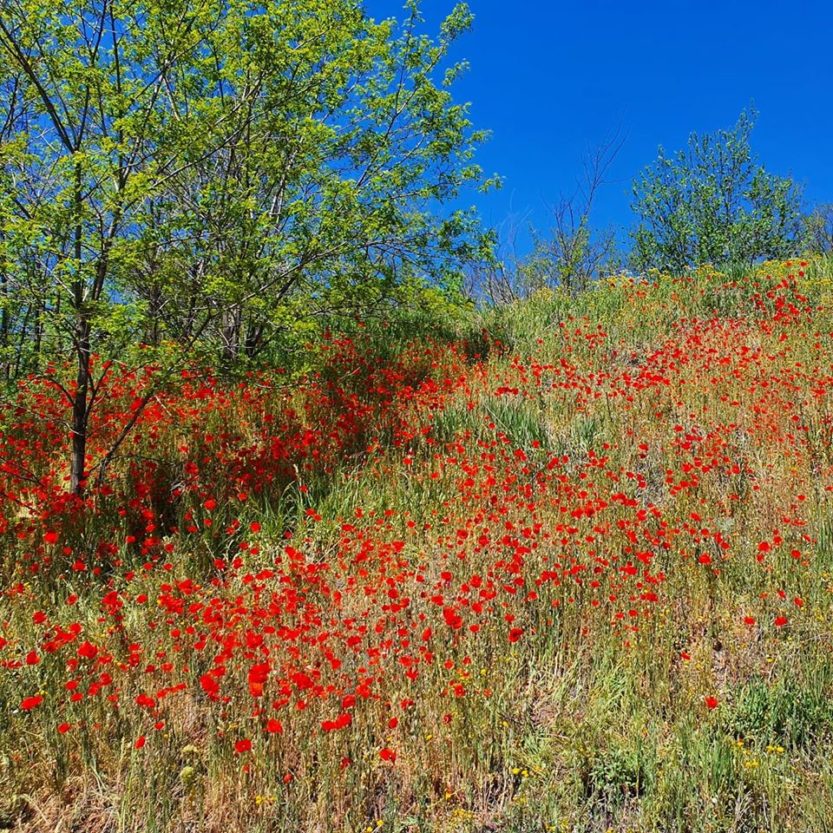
(553, 79)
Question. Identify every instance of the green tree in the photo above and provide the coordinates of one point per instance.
(713, 202)
(818, 230)
(208, 173)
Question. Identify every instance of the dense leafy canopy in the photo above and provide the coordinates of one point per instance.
(713, 202)
(213, 175)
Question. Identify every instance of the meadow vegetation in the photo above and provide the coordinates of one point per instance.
(570, 570)
(318, 514)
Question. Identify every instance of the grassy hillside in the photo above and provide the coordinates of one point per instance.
(571, 572)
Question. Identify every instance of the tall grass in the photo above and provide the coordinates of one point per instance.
(575, 579)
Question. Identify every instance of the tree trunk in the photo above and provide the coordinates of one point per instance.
(254, 339)
(80, 405)
(4, 326)
(233, 319)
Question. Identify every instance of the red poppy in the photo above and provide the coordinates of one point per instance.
(209, 685)
(87, 650)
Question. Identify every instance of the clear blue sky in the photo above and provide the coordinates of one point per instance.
(553, 79)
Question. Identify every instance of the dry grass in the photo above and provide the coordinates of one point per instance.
(524, 593)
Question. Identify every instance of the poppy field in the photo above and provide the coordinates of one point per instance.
(570, 571)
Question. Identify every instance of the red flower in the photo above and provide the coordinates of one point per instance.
(241, 746)
(780, 621)
(140, 742)
(341, 722)
(145, 701)
(452, 618)
(87, 650)
(258, 675)
(274, 726)
(515, 634)
(29, 703)
(387, 754)
(711, 702)
(209, 685)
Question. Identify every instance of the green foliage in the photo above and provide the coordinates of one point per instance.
(228, 169)
(790, 713)
(818, 230)
(617, 775)
(222, 176)
(713, 203)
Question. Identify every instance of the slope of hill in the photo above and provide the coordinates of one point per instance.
(574, 574)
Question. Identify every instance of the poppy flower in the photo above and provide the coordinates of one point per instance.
(209, 685)
(87, 650)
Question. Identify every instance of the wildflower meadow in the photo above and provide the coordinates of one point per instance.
(573, 573)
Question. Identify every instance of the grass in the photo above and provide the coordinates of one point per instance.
(580, 583)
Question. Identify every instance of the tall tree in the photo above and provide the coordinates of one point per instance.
(207, 171)
(569, 254)
(713, 202)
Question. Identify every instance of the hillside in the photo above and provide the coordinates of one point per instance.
(571, 571)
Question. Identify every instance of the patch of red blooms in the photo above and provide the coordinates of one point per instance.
(298, 638)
